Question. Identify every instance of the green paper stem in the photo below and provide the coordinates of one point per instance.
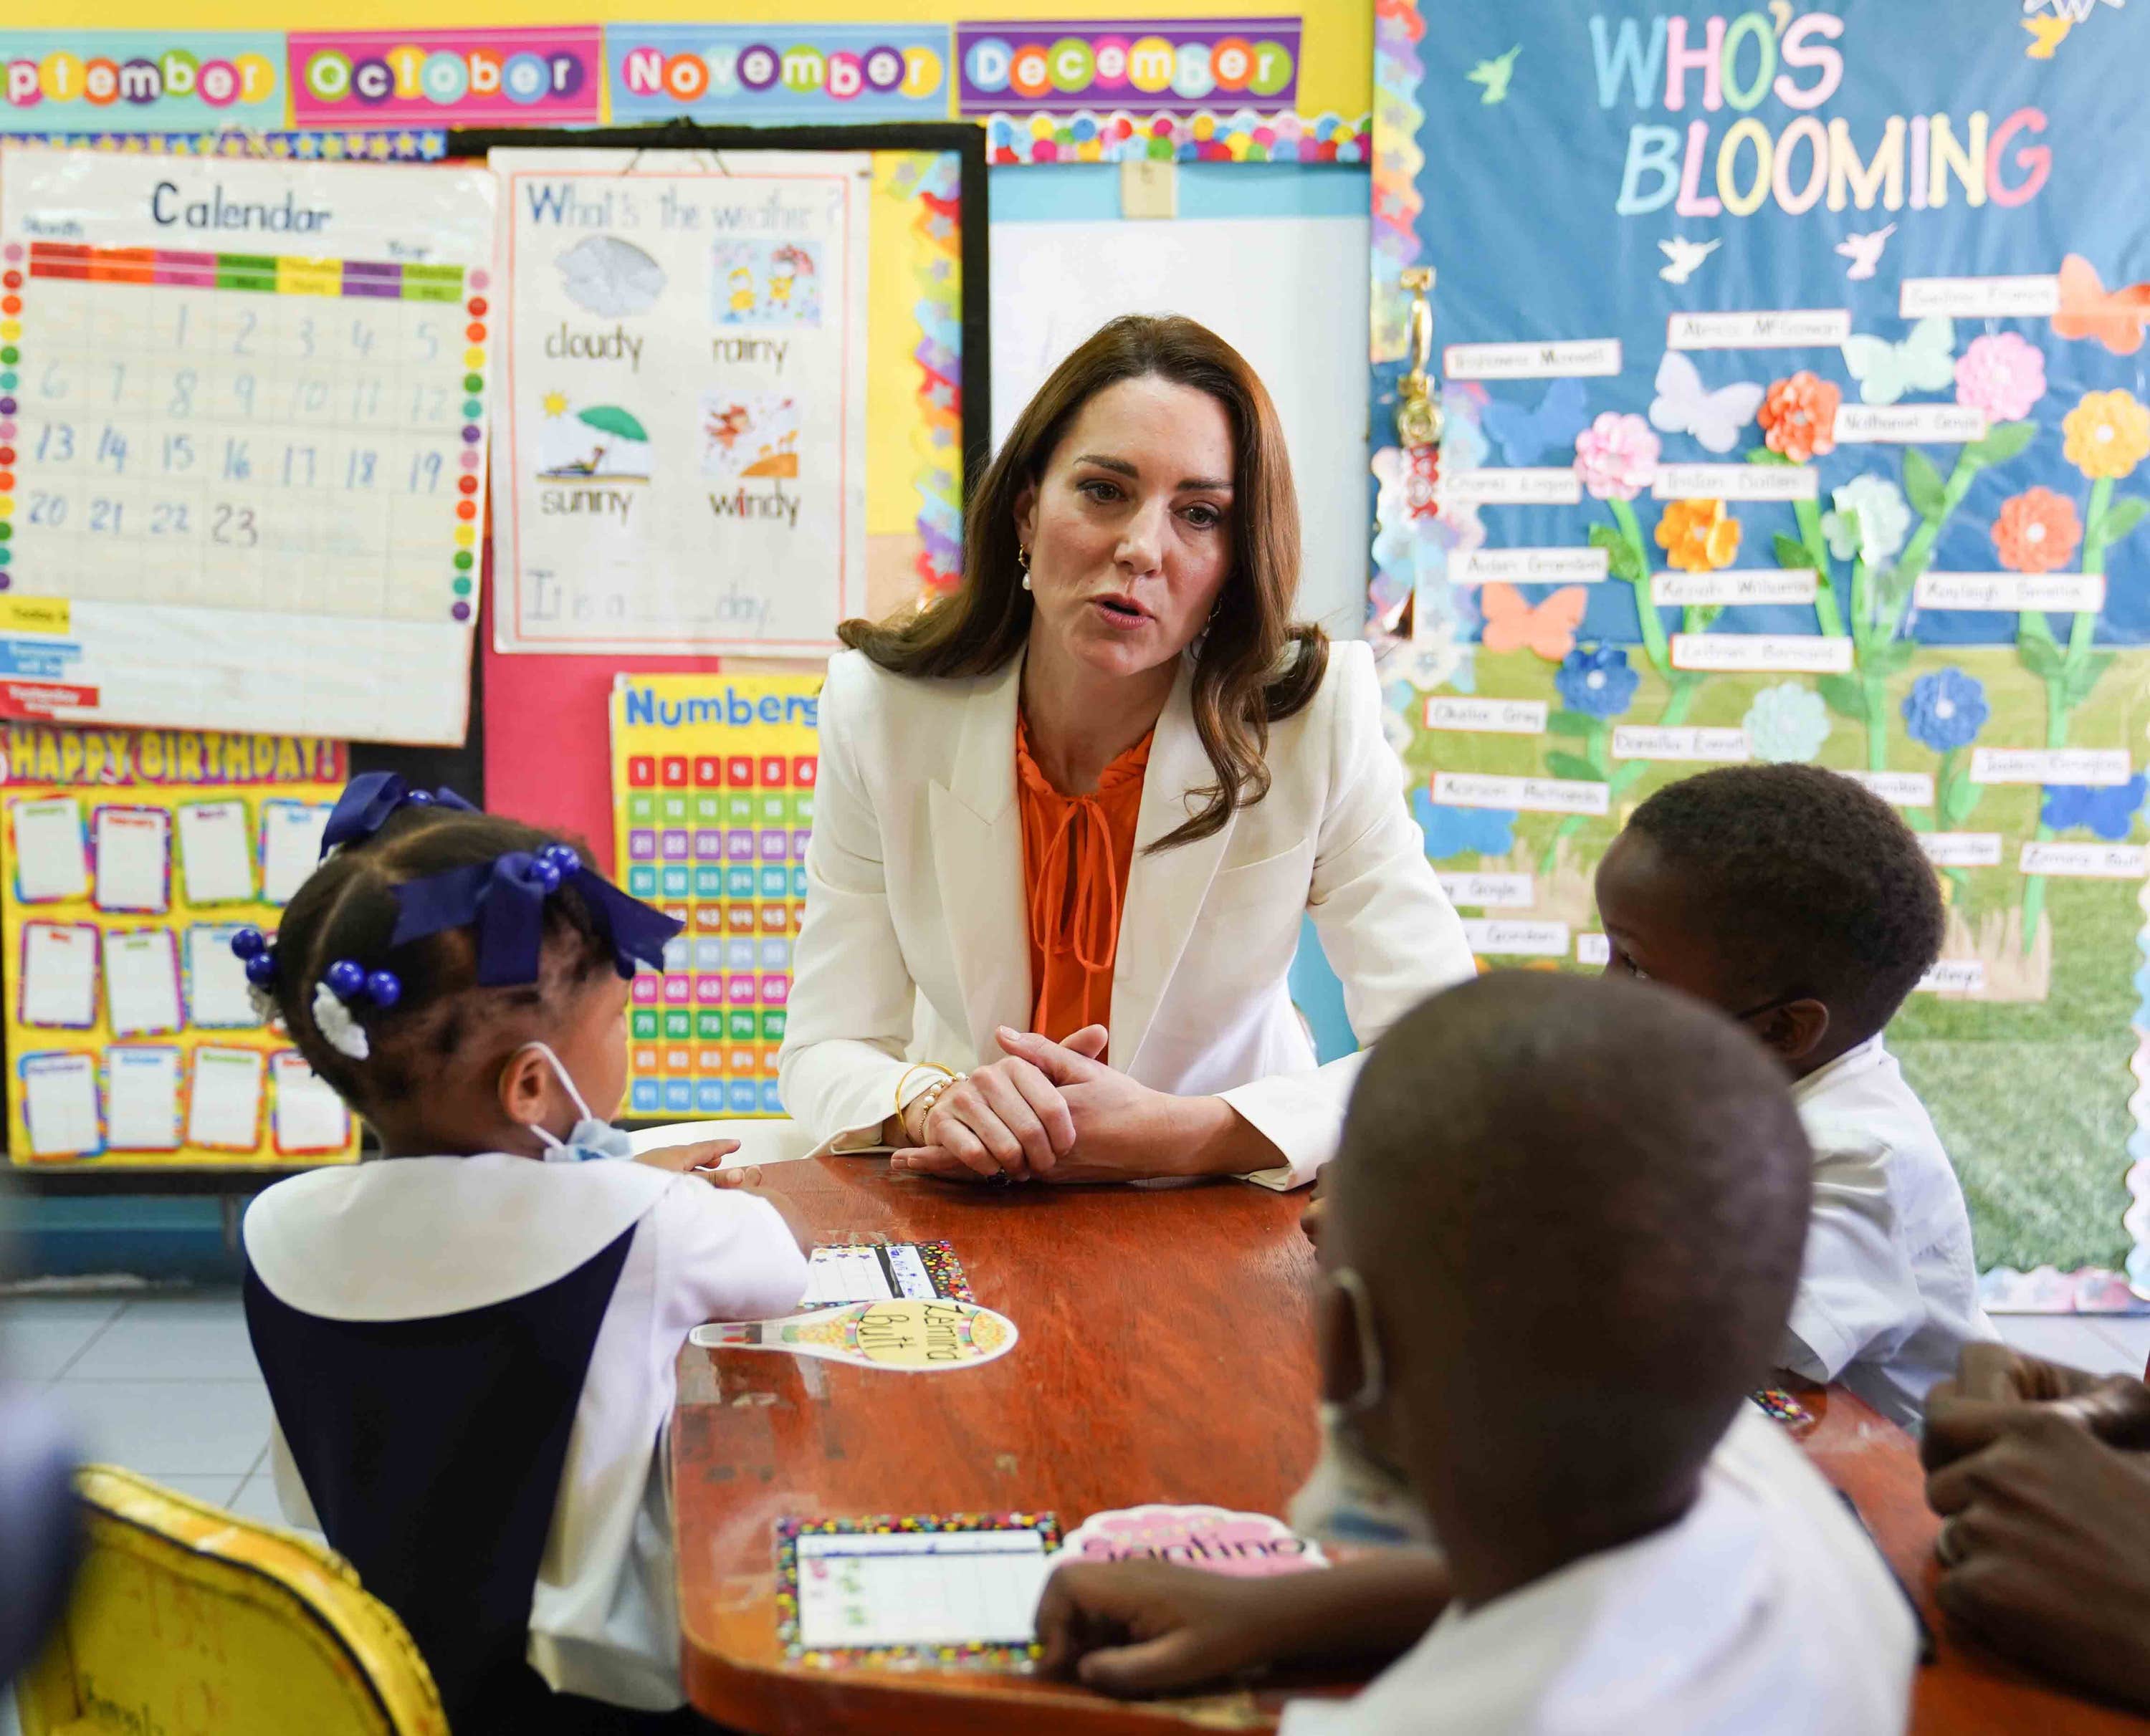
(1653, 630)
(1828, 614)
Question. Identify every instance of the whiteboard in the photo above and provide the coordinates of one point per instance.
(1287, 293)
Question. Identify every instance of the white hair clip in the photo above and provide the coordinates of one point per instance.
(333, 1019)
(264, 1004)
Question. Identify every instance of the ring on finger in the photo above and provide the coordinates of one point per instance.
(1948, 1542)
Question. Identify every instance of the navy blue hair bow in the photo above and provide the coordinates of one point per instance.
(370, 798)
(504, 899)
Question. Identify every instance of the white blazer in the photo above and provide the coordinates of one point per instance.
(915, 944)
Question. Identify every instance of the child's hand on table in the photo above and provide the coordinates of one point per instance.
(702, 1154)
(1143, 1628)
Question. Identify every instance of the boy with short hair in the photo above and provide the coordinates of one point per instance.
(1795, 900)
(1547, 1290)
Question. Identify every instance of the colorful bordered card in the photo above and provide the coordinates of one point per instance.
(883, 1271)
(954, 1590)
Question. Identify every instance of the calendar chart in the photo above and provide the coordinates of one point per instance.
(242, 442)
(712, 783)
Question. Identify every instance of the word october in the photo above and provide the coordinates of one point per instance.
(444, 76)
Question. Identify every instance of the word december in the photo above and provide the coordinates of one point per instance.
(1740, 62)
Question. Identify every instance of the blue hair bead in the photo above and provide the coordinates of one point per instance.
(345, 978)
(561, 857)
(383, 988)
(419, 798)
(261, 970)
(547, 875)
(249, 944)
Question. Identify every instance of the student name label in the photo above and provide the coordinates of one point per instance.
(1526, 795)
(1961, 849)
(1979, 298)
(1593, 949)
(1782, 328)
(1742, 653)
(1491, 892)
(1504, 717)
(2012, 592)
(1954, 976)
(1516, 487)
(1496, 937)
(2094, 765)
(1750, 585)
(1905, 424)
(1899, 789)
(1529, 567)
(2085, 861)
(1577, 357)
(1735, 482)
(1648, 741)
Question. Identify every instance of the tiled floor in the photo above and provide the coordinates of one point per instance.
(166, 1385)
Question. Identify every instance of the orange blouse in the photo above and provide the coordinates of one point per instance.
(1075, 852)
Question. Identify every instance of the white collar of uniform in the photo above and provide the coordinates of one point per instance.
(410, 1238)
(1860, 1058)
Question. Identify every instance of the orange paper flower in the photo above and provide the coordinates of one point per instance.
(2107, 435)
(2037, 531)
(1799, 416)
(1698, 535)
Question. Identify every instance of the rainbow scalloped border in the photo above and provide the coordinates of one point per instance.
(411, 145)
(1398, 73)
(1244, 135)
(964, 1657)
(938, 439)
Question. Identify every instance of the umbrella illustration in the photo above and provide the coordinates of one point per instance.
(612, 443)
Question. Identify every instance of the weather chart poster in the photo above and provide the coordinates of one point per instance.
(683, 468)
(1807, 420)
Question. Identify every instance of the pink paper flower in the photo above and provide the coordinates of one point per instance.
(2002, 374)
(1617, 457)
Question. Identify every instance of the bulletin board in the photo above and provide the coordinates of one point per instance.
(713, 793)
(928, 411)
(1808, 425)
(130, 857)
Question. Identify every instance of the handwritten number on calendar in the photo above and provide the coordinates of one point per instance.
(183, 393)
(365, 400)
(169, 518)
(306, 335)
(105, 517)
(235, 525)
(423, 332)
(237, 465)
(56, 443)
(427, 402)
(49, 510)
(298, 460)
(425, 472)
(112, 449)
(243, 344)
(54, 385)
(361, 338)
(119, 379)
(358, 470)
(179, 452)
(242, 389)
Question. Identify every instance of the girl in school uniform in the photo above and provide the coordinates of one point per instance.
(470, 1343)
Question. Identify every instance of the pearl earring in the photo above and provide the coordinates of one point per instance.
(1022, 559)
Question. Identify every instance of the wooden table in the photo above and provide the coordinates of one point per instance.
(1165, 1356)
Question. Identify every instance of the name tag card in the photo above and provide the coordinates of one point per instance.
(142, 1098)
(51, 862)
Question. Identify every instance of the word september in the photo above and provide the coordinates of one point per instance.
(1741, 62)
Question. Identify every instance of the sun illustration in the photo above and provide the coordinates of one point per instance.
(555, 403)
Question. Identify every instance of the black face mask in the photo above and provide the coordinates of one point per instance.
(40, 1527)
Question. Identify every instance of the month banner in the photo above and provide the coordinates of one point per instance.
(525, 76)
(1807, 423)
(712, 788)
(757, 74)
(683, 426)
(1164, 65)
(128, 859)
(140, 81)
(242, 442)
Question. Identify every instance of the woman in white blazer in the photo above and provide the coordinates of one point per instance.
(1093, 791)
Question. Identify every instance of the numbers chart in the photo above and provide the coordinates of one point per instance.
(242, 437)
(713, 777)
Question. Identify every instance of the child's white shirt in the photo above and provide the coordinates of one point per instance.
(414, 1238)
(1888, 1292)
(1765, 1611)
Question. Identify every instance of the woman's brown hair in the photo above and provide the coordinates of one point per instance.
(1254, 664)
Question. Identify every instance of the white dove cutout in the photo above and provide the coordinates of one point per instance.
(1682, 256)
(1715, 419)
(1864, 251)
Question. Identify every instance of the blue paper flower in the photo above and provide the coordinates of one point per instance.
(1596, 682)
(1453, 831)
(2109, 810)
(1946, 709)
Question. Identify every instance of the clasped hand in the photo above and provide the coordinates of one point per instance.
(1047, 1112)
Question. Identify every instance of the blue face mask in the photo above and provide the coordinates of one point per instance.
(589, 1138)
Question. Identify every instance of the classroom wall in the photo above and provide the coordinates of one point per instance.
(1336, 64)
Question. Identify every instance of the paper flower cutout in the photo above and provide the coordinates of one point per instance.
(1798, 415)
(2001, 374)
(1617, 457)
(1598, 682)
(1786, 723)
(1698, 535)
(2037, 531)
(1884, 520)
(1946, 710)
(2107, 435)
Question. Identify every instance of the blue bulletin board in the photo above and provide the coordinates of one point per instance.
(1797, 407)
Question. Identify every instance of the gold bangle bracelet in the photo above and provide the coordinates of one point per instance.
(912, 1072)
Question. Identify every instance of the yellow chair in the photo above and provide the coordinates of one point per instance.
(192, 1621)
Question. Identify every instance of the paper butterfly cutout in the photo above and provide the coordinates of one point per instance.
(1526, 436)
(1924, 362)
(2088, 310)
(1715, 419)
(1548, 629)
